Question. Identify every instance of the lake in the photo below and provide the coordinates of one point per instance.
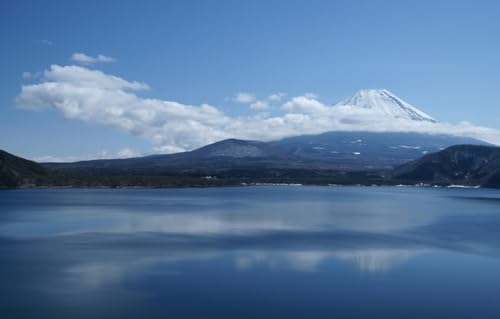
(250, 252)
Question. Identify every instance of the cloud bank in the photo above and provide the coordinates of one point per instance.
(93, 96)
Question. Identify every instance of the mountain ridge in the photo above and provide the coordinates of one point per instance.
(468, 165)
(330, 150)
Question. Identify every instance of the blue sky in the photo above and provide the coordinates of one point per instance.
(441, 56)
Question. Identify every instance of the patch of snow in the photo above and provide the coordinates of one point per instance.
(462, 186)
(410, 147)
(277, 184)
(387, 103)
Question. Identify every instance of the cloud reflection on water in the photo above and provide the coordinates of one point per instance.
(89, 247)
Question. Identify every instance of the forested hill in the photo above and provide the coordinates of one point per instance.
(16, 171)
(473, 165)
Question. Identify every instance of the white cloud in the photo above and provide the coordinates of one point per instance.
(86, 78)
(310, 95)
(87, 59)
(104, 154)
(259, 105)
(305, 104)
(127, 153)
(276, 97)
(96, 97)
(26, 75)
(243, 97)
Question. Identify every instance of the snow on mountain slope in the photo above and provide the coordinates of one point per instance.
(387, 103)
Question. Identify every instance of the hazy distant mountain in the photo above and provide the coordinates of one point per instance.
(332, 150)
(221, 155)
(461, 164)
(362, 150)
(235, 148)
(387, 104)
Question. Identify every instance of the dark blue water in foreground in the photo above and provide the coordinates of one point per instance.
(254, 252)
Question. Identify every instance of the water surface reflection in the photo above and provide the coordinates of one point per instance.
(62, 250)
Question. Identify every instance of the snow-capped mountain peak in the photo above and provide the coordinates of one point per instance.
(386, 102)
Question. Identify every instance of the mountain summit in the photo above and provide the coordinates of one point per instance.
(386, 102)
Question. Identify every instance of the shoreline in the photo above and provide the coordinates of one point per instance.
(258, 184)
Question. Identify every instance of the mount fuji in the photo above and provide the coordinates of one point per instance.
(386, 103)
(355, 149)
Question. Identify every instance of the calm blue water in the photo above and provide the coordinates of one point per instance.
(253, 252)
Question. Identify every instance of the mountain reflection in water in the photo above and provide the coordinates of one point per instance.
(73, 242)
